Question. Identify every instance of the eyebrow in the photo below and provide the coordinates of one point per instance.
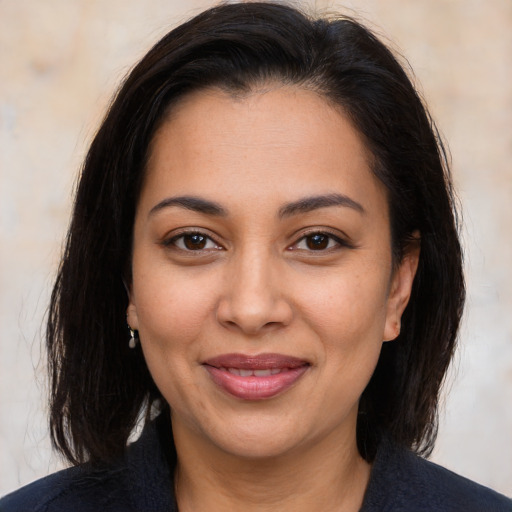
(195, 204)
(303, 205)
(308, 204)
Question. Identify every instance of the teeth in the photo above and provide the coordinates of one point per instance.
(262, 373)
(254, 373)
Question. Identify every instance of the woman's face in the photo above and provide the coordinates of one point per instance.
(263, 284)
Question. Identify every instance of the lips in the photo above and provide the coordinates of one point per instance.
(255, 377)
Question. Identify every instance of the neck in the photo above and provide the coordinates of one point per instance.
(326, 476)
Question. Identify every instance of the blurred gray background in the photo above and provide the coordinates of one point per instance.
(61, 60)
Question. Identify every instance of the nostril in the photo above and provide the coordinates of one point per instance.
(272, 324)
(251, 326)
(253, 310)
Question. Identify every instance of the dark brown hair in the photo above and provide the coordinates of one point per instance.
(99, 386)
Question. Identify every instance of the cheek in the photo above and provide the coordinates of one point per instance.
(350, 307)
(171, 308)
(173, 314)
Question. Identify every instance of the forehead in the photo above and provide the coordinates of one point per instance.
(281, 140)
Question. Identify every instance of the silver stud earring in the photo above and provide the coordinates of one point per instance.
(134, 337)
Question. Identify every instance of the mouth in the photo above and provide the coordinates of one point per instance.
(255, 377)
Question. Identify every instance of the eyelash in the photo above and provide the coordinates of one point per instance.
(333, 242)
(173, 241)
(338, 242)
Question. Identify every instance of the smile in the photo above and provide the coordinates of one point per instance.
(255, 377)
(255, 373)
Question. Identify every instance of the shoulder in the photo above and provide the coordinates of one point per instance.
(403, 481)
(446, 490)
(77, 489)
(138, 480)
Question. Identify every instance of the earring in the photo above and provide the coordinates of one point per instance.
(134, 337)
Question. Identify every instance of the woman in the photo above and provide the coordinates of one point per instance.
(268, 207)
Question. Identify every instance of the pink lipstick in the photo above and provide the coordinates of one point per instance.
(255, 377)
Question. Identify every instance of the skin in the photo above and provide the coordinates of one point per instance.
(260, 285)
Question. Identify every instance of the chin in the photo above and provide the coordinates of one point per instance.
(259, 446)
(245, 436)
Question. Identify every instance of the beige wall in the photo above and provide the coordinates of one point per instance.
(59, 63)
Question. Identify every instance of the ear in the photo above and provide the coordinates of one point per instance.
(131, 311)
(400, 289)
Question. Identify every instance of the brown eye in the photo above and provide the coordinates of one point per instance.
(194, 242)
(317, 242)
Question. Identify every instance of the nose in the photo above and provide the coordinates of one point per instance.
(253, 299)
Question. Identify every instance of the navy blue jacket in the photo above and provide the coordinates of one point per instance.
(142, 481)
